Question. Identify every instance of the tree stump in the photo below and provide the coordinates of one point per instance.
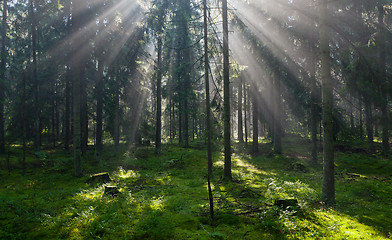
(111, 190)
(286, 203)
(99, 178)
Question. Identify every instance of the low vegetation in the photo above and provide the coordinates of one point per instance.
(165, 197)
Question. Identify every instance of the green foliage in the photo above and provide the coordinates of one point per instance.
(154, 225)
(165, 197)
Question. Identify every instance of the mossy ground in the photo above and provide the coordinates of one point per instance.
(165, 197)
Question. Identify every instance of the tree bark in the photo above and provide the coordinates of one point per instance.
(117, 113)
(240, 123)
(37, 129)
(83, 109)
(246, 111)
(76, 70)
(360, 117)
(2, 76)
(208, 110)
(369, 125)
(226, 94)
(328, 192)
(67, 117)
(313, 102)
(277, 116)
(255, 123)
(100, 95)
(383, 82)
(158, 135)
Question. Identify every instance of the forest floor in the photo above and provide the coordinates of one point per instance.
(165, 197)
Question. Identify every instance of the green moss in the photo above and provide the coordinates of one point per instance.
(165, 196)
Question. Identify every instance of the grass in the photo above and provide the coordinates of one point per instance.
(165, 197)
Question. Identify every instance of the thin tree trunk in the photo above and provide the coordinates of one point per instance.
(37, 132)
(376, 121)
(369, 125)
(226, 94)
(240, 125)
(352, 125)
(208, 111)
(383, 82)
(2, 76)
(313, 103)
(277, 117)
(67, 117)
(83, 109)
(158, 135)
(117, 114)
(328, 192)
(360, 117)
(245, 111)
(76, 69)
(24, 123)
(255, 144)
(100, 95)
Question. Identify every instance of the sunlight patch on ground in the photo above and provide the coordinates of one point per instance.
(343, 226)
(249, 167)
(125, 174)
(157, 203)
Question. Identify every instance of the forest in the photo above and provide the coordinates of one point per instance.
(195, 119)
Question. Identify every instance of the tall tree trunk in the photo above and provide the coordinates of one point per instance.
(208, 111)
(76, 69)
(383, 82)
(158, 135)
(226, 93)
(369, 125)
(351, 112)
(255, 123)
(100, 95)
(328, 192)
(376, 121)
(246, 111)
(53, 131)
(24, 132)
(117, 114)
(360, 117)
(37, 129)
(313, 102)
(277, 117)
(2, 76)
(67, 117)
(170, 119)
(240, 125)
(83, 109)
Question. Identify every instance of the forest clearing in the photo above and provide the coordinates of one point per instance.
(195, 119)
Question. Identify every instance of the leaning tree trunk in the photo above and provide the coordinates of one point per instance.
(2, 76)
(328, 192)
(226, 94)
